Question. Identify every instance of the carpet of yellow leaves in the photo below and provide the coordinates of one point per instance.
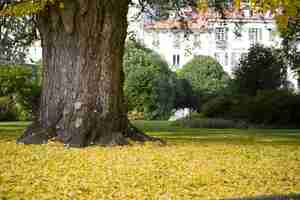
(175, 171)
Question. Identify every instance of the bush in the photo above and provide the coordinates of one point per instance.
(23, 84)
(205, 75)
(260, 69)
(13, 78)
(196, 115)
(277, 108)
(149, 84)
(29, 100)
(218, 107)
(23, 113)
(8, 110)
(185, 96)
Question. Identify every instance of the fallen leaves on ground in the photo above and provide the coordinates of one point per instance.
(176, 171)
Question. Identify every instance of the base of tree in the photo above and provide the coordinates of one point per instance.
(34, 134)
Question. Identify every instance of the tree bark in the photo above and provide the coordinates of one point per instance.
(82, 99)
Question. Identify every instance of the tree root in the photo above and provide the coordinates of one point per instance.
(136, 135)
(35, 134)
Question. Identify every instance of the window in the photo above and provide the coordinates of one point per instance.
(222, 58)
(155, 41)
(226, 59)
(233, 59)
(271, 35)
(197, 41)
(221, 34)
(176, 43)
(255, 35)
(176, 60)
(218, 57)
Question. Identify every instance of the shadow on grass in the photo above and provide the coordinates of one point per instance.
(244, 136)
(239, 141)
(9, 131)
(271, 197)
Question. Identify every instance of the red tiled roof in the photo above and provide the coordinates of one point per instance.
(199, 20)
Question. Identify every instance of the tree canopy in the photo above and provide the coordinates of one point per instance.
(286, 12)
(25, 7)
(149, 83)
(205, 74)
(16, 35)
(260, 69)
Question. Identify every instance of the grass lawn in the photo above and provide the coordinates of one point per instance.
(196, 164)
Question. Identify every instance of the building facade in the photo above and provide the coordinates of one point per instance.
(224, 39)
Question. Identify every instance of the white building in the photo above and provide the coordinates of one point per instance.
(225, 40)
(207, 34)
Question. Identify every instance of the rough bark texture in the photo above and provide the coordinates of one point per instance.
(82, 98)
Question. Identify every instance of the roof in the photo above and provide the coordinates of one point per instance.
(194, 19)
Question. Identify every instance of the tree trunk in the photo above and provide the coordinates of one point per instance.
(82, 97)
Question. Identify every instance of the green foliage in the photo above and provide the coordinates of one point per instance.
(149, 84)
(185, 96)
(205, 74)
(12, 78)
(27, 7)
(277, 108)
(17, 34)
(23, 83)
(8, 110)
(260, 69)
(217, 107)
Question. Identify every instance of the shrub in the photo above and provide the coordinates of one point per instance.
(260, 69)
(149, 84)
(12, 78)
(29, 100)
(218, 107)
(185, 96)
(8, 110)
(196, 115)
(205, 74)
(23, 83)
(23, 113)
(277, 108)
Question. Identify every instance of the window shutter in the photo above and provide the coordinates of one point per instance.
(260, 34)
(174, 59)
(226, 33)
(249, 34)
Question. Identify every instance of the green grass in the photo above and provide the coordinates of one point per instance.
(196, 164)
(166, 130)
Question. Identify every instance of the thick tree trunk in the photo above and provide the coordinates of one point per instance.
(82, 98)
